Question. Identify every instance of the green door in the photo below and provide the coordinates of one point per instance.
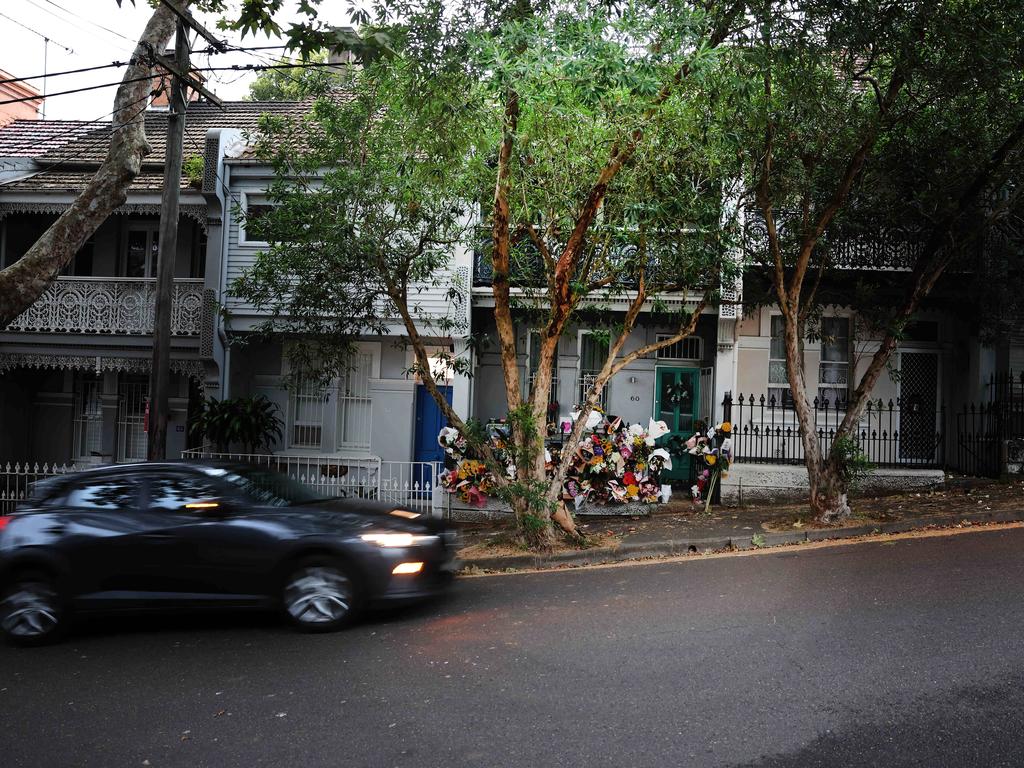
(676, 401)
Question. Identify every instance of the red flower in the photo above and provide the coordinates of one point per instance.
(629, 479)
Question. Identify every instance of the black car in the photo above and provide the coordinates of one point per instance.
(172, 536)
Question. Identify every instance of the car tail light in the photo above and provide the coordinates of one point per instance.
(4, 520)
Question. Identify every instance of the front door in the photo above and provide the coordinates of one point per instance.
(676, 402)
(919, 385)
(429, 422)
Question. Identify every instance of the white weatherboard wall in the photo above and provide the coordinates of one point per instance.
(749, 482)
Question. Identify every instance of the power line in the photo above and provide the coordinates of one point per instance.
(65, 72)
(83, 18)
(116, 64)
(79, 90)
(231, 68)
(40, 34)
(80, 127)
(72, 23)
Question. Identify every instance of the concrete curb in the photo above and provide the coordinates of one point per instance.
(645, 550)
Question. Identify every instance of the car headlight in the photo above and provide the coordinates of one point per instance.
(396, 539)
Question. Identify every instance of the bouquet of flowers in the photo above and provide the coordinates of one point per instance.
(712, 450)
(470, 480)
(453, 442)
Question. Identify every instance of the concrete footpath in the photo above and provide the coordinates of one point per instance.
(681, 531)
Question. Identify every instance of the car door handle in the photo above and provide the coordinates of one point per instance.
(156, 536)
(56, 529)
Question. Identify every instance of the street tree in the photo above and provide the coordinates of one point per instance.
(294, 79)
(24, 281)
(587, 141)
(865, 120)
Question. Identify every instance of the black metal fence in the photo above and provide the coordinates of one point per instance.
(983, 429)
(970, 440)
(890, 435)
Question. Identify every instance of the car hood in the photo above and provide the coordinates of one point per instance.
(331, 513)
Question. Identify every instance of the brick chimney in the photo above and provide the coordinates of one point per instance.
(19, 110)
(162, 83)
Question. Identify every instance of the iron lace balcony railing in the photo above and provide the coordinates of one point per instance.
(111, 306)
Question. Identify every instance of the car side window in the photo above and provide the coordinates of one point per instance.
(175, 493)
(105, 493)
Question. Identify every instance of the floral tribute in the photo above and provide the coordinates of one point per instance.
(712, 450)
(614, 463)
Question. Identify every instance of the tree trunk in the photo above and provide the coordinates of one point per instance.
(22, 283)
(829, 494)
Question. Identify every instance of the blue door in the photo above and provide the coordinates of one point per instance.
(429, 422)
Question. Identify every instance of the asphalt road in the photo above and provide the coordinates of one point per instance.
(898, 654)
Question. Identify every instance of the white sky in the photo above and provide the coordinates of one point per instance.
(77, 24)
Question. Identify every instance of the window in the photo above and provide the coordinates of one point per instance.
(104, 493)
(88, 415)
(593, 354)
(175, 493)
(778, 380)
(132, 398)
(690, 348)
(533, 359)
(254, 207)
(306, 415)
(354, 404)
(141, 245)
(834, 370)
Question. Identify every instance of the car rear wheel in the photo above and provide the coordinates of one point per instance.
(320, 595)
(32, 611)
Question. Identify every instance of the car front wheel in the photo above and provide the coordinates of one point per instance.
(32, 612)
(320, 595)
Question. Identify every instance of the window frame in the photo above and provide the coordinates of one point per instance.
(245, 196)
(530, 373)
(691, 338)
(152, 230)
(824, 365)
(580, 373)
(786, 399)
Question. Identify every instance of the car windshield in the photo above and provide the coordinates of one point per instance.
(271, 488)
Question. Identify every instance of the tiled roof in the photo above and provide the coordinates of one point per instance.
(68, 164)
(32, 138)
(199, 118)
(74, 180)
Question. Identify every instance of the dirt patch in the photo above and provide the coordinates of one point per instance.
(974, 497)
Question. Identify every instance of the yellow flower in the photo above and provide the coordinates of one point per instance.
(726, 427)
(710, 458)
(632, 490)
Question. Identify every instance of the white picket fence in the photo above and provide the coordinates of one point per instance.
(412, 484)
(16, 480)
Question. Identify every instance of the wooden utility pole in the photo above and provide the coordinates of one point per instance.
(159, 385)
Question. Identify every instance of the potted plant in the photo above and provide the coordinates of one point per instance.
(250, 421)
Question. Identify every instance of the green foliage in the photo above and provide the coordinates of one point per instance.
(294, 83)
(250, 421)
(850, 461)
(192, 167)
(758, 540)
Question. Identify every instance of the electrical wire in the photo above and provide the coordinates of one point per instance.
(83, 18)
(34, 32)
(77, 26)
(78, 90)
(74, 129)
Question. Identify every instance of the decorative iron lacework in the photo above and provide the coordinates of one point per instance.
(208, 323)
(193, 369)
(460, 297)
(195, 212)
(892, 249)
(118, 306)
